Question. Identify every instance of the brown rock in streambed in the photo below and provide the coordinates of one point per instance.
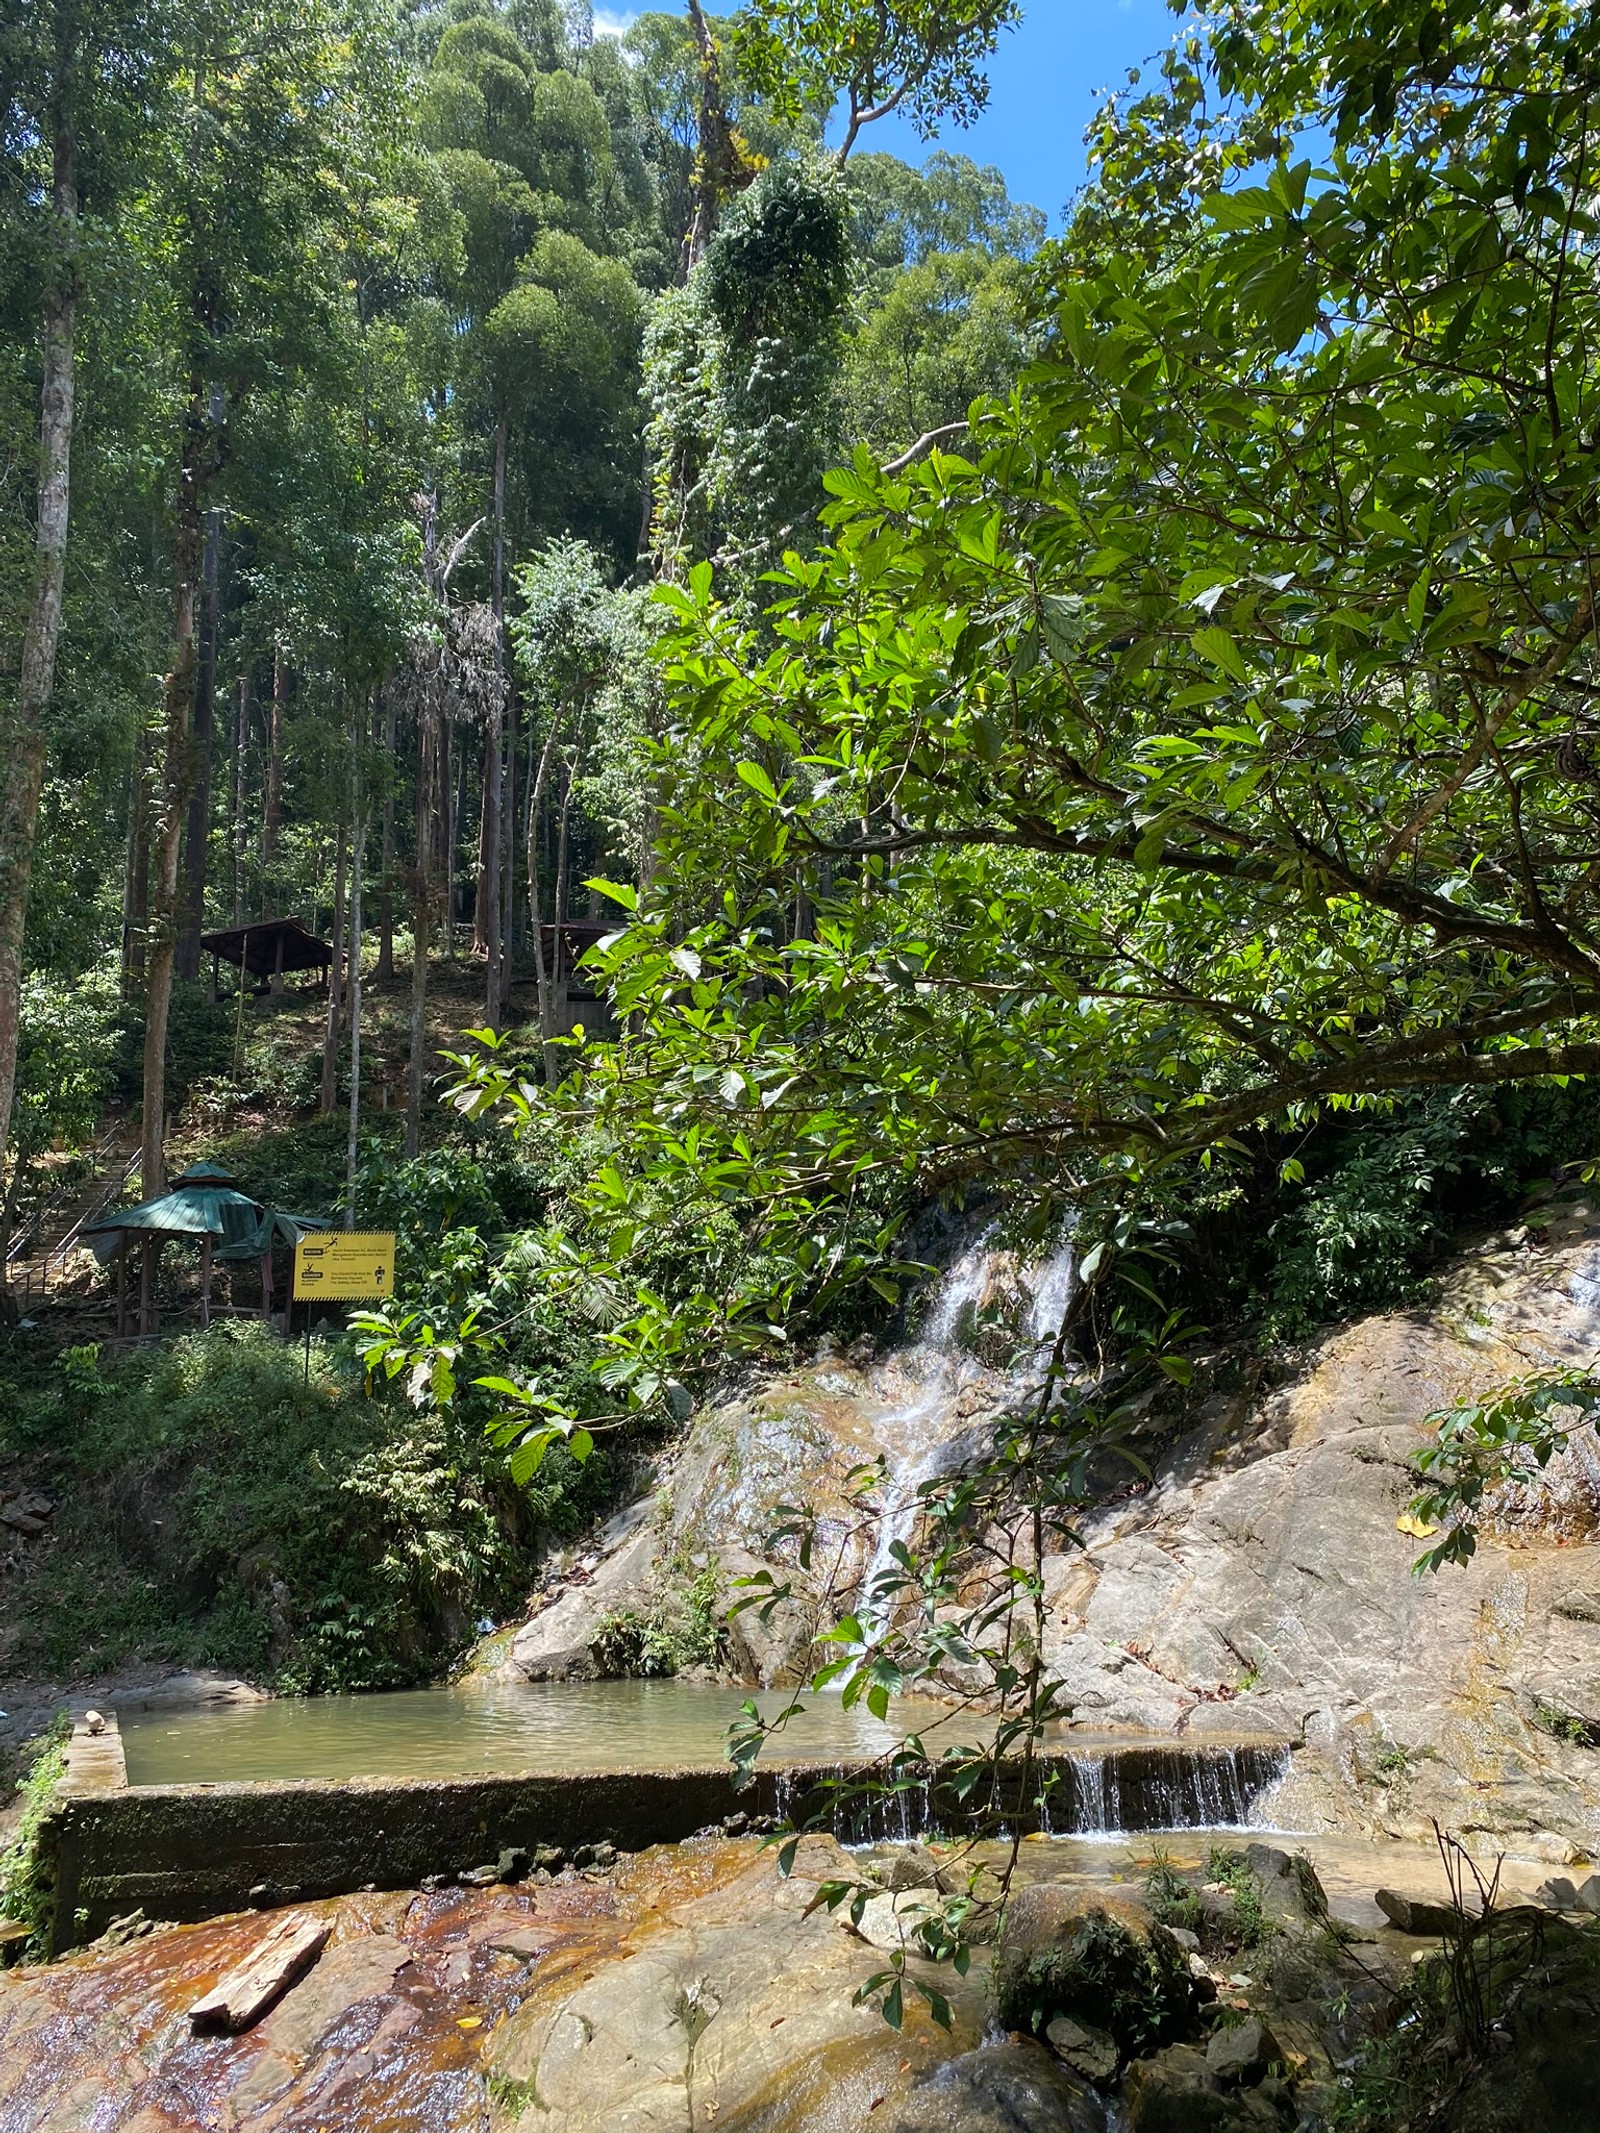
(1407, 1914)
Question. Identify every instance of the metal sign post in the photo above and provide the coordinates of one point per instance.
(342, 1266)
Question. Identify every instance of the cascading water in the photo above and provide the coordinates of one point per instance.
(1161, 1785)
(937, 1380)
(1112, 1789)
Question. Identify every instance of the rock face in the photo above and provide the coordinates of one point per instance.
(1265, 1580)
(1009, 2088)
(1262, 1582)
(559, 1643)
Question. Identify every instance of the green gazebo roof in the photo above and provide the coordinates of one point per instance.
(204, 1203)
(190, 1210)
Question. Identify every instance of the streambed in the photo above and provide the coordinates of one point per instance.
(425, 2013)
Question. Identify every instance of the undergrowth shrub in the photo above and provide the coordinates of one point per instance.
(27, 1877)
(217, 1509)
(1139, 1992)
(676, 1631)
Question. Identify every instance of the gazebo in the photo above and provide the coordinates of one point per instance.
(204, 1203)
(267, 949)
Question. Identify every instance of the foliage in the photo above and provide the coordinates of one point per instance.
(1201, 755)
(199, 1042)
(678, 1631)
(1470, 2045)
(1249, 1925)
(27, 1882)
(1508, 1436)
(904, 216)
(216, 1509)
(1180, 797)
(743, 371)
(943, 333)
(1172, 1901)
(65, 1056)
(921, 57)
(1138, 1991)
(1565, 1725)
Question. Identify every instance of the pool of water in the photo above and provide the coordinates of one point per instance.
(475, 1730)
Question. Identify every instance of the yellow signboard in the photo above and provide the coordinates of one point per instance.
(342, 1265)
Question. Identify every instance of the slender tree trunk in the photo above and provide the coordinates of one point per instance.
(272, 779)
(136, 887)
(447, 840)
(24, 752)
(560, 962)
(508, 863)
(177, 777)
(8, 1218)
(494, 746)
(385, 970)
(197, 838)
(541, 962)
(493, 810)
(719, 166)
(422, 896)
(236, 779)
(330, 1041)
(353, 1134)
(480, 886)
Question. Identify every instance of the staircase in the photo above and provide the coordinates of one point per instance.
(41, 1248)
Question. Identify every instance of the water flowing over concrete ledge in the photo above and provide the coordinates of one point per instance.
(187, 1852)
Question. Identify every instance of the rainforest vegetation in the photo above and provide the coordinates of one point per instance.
(792, 693)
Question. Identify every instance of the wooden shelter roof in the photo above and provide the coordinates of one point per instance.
(257, 947)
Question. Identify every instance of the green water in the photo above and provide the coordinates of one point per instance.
(548, 1727)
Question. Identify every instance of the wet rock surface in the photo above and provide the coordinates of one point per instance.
(682, 1988)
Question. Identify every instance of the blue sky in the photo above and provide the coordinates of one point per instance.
(1043, 85)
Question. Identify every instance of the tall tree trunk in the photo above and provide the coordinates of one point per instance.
(330, 1041)
(449, 812)
(236, 779)
(136, 867)
(272, 778)
(494, 746)
(541, 962)
(422, 897)
(176, 779)
(197, 836)
(353, 1133)
(24, 751)
(562, 964)
(480, 886)
(720, 167)
(385, 970)
(508, 863)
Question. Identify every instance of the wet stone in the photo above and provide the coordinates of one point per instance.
(1408, 1915)
(1087, 2050)
(1240, 2053)
(1556, 1894)
(1007, 2088)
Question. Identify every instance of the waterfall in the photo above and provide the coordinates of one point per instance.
(926, 1382)
(1118, 1789)
(1163, 1785)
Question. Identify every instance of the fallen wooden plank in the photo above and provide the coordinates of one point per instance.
(245, 1993)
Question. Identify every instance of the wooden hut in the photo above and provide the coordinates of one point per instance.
(267, 950)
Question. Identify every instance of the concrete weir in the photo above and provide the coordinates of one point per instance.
(186, 1852)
